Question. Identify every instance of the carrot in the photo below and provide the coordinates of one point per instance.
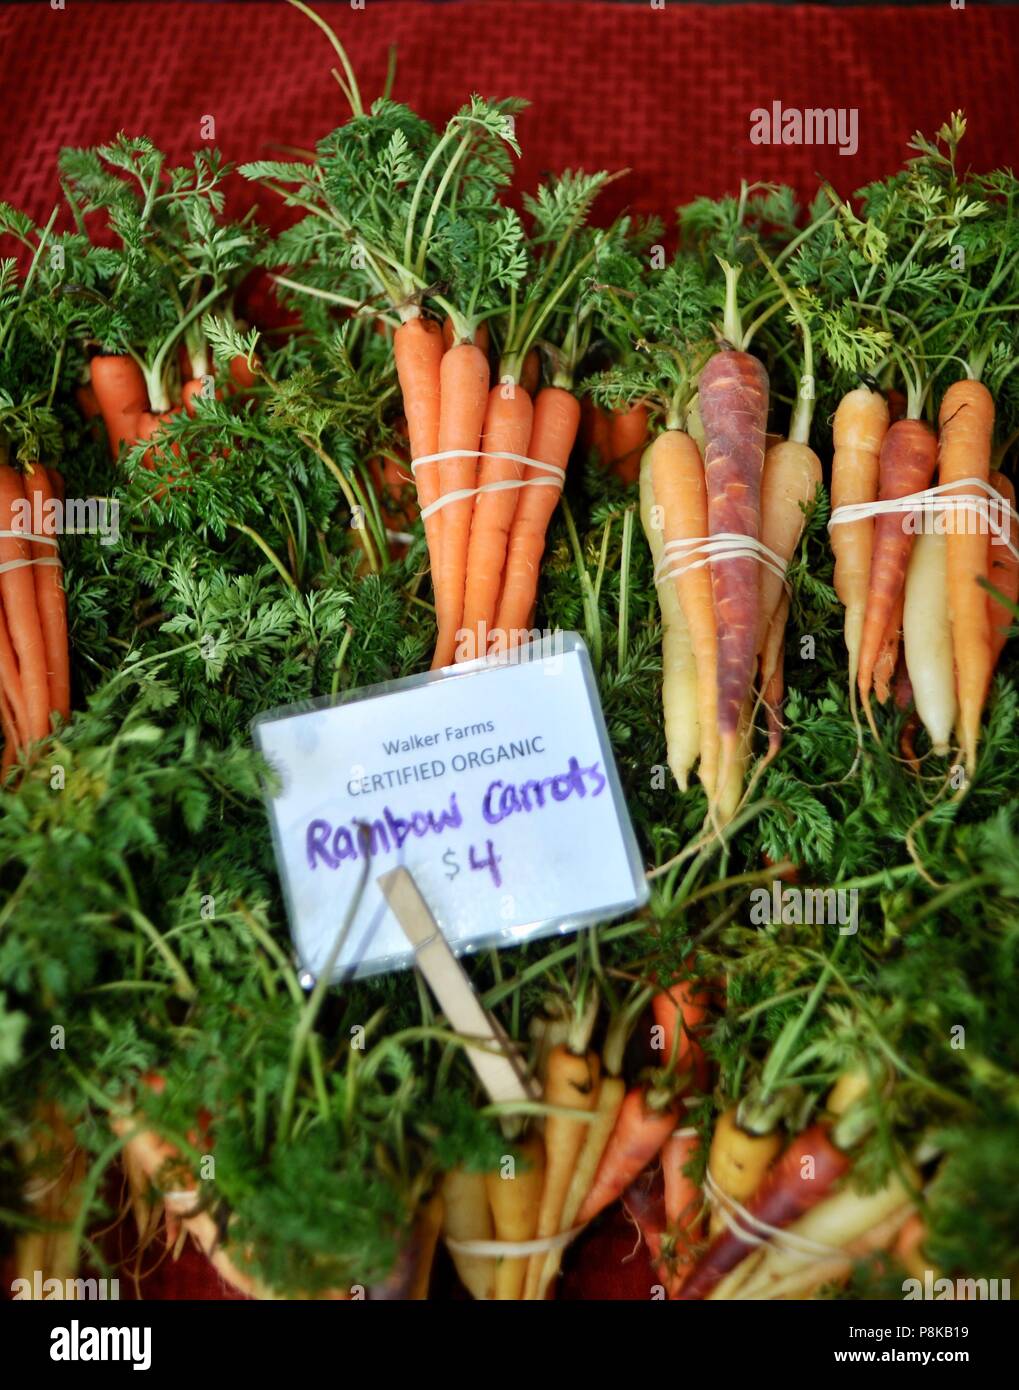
(508, 422)
(463, 397)
(426, 1234)
(773, 675)
(733, 396)
(241, 374)
(966, 419)
(928, 638)
(640, 1131)
(677, 476)
(888, 655)
(859, 427)
(678, 1011)
(51, 601)
(606, 1111)
(11, 741)
(789, 482)
(802, 1177)
(848, 1223)
(684, 1204)
(10, 687)
(572, 1082)
(417, 351)
(908, 1248)
(594, 430)
(467, 1216)
(553, 434)
(679, 668)
(898, 404)
(729, 793)
(17, 592)
(906, 465)
(514, 1200)
(737, 1161)
(1004, 573)
(626, 441)
(120, 391)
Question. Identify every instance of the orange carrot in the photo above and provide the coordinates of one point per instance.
(417, 351)
(17, 591)
(51, 601)
(10, 685)
(120, 391)
(887, 657)
(680, 491)
(530, 372)
(241, 374)
(463, 398)
(627, 437)
(641, 1130)
(966, 419)
(859, 427)
(733, 396)
(1004, 572)
(773, 675)
(481, 336)
(906, 465)
(678, 1011)
(594, 430)
(684, 1205)
(508, 423)
(553, 434)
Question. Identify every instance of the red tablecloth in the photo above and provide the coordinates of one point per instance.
(666, 93)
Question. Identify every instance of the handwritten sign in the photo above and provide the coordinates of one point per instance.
(492, 783)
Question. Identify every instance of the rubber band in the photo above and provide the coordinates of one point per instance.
(933, 499)
(513, 1249)
(740, 1222)
(36, 560)
(706, 550)
(464, 494)
(28, 536)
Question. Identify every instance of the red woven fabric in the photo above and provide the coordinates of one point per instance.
(665, 93)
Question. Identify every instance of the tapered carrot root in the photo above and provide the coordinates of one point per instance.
(906, 465)
(679, 1011)
(773, 675)
(639, 1134)
(1004, 572)
(888, 655)
(733, 398)
(467, 1216)
(684, 1208)
(802, 1177)
(859, 428)
(51, 601)
(572, 1084)
(789, 483)
(17, 592)
(515, 1199)
(680, 491)
(679, 666)
(553, 435)
(417, 351)
(966, 419)
(606, 1111)
(120, 392)
(16, 727)
(731, 787)
(508, 423)
(927, 639)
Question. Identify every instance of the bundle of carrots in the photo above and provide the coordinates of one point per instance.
(35, 679)
(919, 575)
(486, 509)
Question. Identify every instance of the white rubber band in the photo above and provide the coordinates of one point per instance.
(934, 499)
(37, 560)
(464, 494)
(512, 1249)
(740, 1221)
(705, 550)
(28, 536)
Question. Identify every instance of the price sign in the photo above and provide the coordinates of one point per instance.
(492, 783)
